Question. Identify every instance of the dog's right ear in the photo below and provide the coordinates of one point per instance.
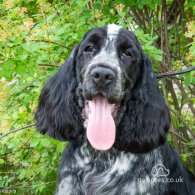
(58, 113)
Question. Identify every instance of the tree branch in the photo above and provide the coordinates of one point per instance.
(175, 10)
(48, 41)
(21, 146)
(13, 131)
(185, 95)
(179, 117)
(52, 65)
(169, 74)
(179, 136)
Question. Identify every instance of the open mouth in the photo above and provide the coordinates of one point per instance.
(100, 115)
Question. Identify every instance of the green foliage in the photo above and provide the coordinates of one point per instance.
(36, 36)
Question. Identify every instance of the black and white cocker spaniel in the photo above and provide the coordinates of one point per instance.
(105, 101)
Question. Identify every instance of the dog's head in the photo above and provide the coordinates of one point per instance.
(106, 91)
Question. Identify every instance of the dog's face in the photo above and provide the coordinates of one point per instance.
(108, 84)
(108, 62)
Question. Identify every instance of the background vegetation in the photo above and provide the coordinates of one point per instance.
(36, 36)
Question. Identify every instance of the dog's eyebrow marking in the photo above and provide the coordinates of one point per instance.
(112, 31)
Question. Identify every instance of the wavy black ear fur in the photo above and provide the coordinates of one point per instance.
(146, 120)
(58, 113)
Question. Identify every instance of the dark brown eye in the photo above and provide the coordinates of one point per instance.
(89, 48)
(128, 53)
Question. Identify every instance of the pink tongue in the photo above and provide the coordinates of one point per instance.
(101, 126)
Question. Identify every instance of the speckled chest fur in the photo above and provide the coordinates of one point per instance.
(113, 173)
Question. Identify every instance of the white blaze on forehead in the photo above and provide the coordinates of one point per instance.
(112, 33)
(113, 30)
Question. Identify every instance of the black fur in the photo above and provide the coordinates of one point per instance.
(58, 113)
(146, 119)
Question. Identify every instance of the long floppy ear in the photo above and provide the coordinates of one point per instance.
(147, 118)
(58, 113)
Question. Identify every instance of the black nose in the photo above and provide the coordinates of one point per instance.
(102, 76)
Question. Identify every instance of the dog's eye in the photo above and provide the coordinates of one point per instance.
(128, 53)
(89, 48)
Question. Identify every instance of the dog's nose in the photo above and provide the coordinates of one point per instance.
(102, 76)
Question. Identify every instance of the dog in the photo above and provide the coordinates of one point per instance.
(106, 102)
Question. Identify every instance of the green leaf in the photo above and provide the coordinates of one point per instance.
(157, 57)
(20, 68)
(45, 142)
(34, 142)
(1, 161)
(60, 147)
(187, 79)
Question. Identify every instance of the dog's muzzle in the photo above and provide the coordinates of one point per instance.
(102, 79)
(100, 89)
(102, 76)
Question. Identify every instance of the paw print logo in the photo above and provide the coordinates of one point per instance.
(160, 170)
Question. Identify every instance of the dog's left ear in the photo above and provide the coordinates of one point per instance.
(58, 113)
(147, 118)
